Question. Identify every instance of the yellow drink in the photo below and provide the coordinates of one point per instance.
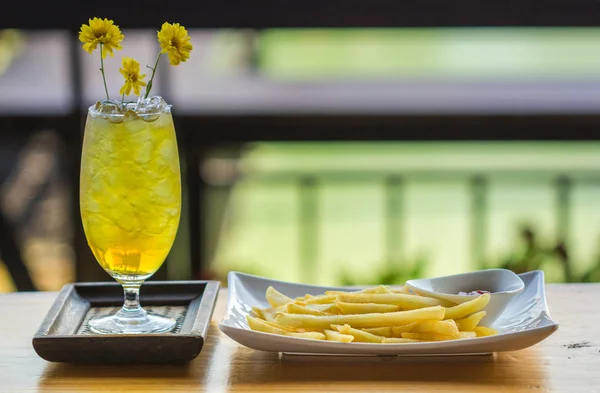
(130, 192)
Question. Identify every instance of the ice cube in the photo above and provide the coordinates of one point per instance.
(168, 151)
(150, 118)
(156, 225)
(111, 110)
(143, 152)
(92, 205)
(151, 108)
(130, 115)
(108, 107)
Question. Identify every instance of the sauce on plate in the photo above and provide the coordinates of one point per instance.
(477, 292)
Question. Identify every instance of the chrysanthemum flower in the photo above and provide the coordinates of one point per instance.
(133, 79)
(175, 41)
(101, 31)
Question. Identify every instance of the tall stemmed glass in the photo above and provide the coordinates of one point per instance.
(130, 200)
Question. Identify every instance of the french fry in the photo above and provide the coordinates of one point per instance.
(365, 308)
(483, 331)
(329, 308)
(405, 301)
(469, 323)
(385, 331)
(258, 312)
(333, 335)
(262, 326)
(427, 337)
(311, 335)
(380, 289)
(398, 330)
(446, 328)
(467, 308)
(294, 308)
(402, 289)
(269, 314)
(396, 340)
(421, 336)
(320, 299)
(437, 337)
(361, 320)
(377, 289)
(359, 335)
(276, 298)
(284, 328)
(270, 327)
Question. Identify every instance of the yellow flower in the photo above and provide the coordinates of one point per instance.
(174, 40)
(101, 31)
(133, 79)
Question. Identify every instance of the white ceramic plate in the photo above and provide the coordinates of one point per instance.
(524, 322)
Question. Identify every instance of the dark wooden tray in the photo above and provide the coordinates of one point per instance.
(64, 336)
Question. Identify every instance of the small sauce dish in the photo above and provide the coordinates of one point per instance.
(502, 284)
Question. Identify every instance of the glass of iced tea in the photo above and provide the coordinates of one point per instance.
(130, 201)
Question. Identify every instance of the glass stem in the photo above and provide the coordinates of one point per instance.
(132, 298)
(132, 312)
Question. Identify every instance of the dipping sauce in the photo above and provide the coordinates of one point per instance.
(477, 292)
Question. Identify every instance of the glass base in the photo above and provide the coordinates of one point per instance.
(139, 323)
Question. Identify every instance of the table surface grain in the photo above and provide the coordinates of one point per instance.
(568, 361)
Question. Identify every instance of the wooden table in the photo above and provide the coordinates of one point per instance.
(568, 361)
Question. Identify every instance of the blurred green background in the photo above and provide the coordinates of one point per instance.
(345, 212)
(335, 213)
(457, 53)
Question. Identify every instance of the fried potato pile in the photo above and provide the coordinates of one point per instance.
(379, 314)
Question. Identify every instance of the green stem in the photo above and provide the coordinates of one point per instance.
(123, 100)
(149, 86)
(102, 70)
